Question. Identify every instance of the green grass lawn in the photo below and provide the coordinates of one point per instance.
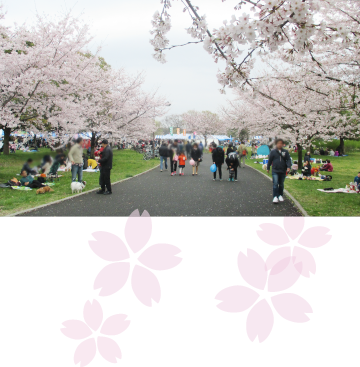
(126, 163)
(318, 203)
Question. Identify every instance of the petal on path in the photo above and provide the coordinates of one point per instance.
(76, 329)
(236, 298)
(291, 307)
(273, 234)
(85, 352)
(160, 257)
(145, 286)
(93, 314)
(260, 321)
(303, 256)
(112, 278)
(108, 349)
(138, 230)
(315, 237)
(115, 325)
(109, 247)
(294, 226)
(252, 269)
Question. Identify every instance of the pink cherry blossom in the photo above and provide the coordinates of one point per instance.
(93, 316)
(114, 276)
(260, 319)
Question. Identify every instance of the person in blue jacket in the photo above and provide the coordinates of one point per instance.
(357, 180)
(280, 161)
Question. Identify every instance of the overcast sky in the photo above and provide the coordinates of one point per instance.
(121, 27)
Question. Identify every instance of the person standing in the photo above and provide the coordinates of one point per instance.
(230, 149)
(242, 153)
(218, 157)
(106, 167)
(188, 149)
(164, 153)
(76, 159)
(196, 156)
(280, 161)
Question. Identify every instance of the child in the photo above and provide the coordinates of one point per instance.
(233, 163)
(357, 181)
(182, 160)
(294, 168)
(307, 169)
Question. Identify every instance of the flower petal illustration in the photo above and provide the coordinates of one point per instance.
(273, 234)
(109, 247)
(315, 237)
(294, 226)
(138, 230)
(85, 352)
(145, 286)
(260, 321)
(252, 269)
(284, 275)
(160, 257)
(112, 278)
(115, 325)
(236, 298)
(277, 255)
(291, 307)
(303, 256)
(93, 314)
(76, 329)
(108, 349)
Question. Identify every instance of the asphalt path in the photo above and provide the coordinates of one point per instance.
(164, 195)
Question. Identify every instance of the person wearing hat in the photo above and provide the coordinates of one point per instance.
(106, 166)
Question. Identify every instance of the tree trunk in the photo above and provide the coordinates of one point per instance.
(7, 132)
(205, 140)
(93, 141)
(342, 145)
(300, 159)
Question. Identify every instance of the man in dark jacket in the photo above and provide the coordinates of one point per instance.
(188, 149)
(26, 167)
(164, 154)
(280, 161)
(218, 158)
(106, 166)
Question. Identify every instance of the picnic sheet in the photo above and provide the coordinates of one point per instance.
(337, 191)
(21, 188)
(90, 170)
(304, 179)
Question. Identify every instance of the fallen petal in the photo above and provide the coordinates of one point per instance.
(108, 349)
(109, 247)
(252, 269)
(112, 278)
(273, 234)
(76, 329)
(160, 257)
(284, 275)
(277, 255)
(294, 226)
(236, 298)
(145, 286)
(260, 321)
(93, 314)
(315, 237)
(291, 307)
(115, 325)
(138, 230)
(85, 352)
(303, 256)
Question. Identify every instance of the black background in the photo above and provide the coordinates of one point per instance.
(47, 280)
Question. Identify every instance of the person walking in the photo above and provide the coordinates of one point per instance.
(106, 167)
(218, 157)
(280, 161)
(173, 151)
(164, 154)
(196, 156)
(188, 149)
(242, 153)
(230, 149)
(76, 159)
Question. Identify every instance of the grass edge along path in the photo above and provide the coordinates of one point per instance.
(127, 164)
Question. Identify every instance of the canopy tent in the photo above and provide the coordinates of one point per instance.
(263, 150)
(257, 137)
(221, 137)
(177, 137)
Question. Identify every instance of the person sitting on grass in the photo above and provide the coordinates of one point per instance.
(307, 169)
(327, 166)
(294, 168)
(357, 180)
(26, 167)
(92, 163)
(331, 153)
(26, 179)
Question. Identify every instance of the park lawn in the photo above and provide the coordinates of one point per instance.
(126, 163)
(318, 203)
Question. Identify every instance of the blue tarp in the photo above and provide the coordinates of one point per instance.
(263, 150)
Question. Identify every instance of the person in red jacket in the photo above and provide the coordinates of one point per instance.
(327, 166)
(182, 160)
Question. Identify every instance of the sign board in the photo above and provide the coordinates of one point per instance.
(178, 131)
(171, 131)
(184, 132)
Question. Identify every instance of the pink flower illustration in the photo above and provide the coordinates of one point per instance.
(260, 319)
(107, 347)
(275, 235)
(115, 275)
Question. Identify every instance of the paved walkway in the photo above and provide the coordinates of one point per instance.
(163, 195)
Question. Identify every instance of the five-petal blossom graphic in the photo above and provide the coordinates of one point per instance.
(93, 316)
(282, 276)
(156, 257)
